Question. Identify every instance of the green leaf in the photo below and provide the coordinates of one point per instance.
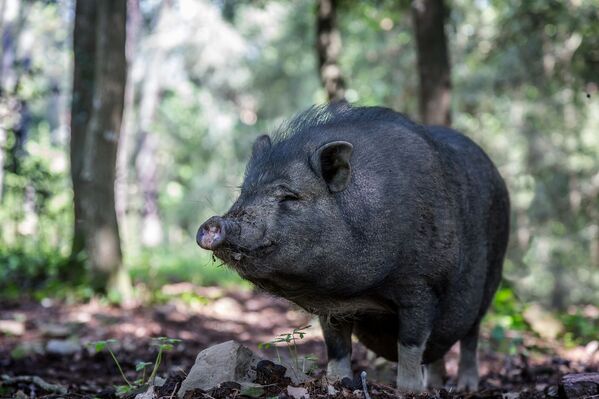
(253, 391)
(166, 347)
(142, 365)
(122, 390)
(99, 345)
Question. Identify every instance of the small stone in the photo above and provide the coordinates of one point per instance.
(12, 327)
(55, 330)
(149, 394)
(63, 347)
(298, 392)
(331, 390)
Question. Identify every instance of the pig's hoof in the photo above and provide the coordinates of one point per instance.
(340, 369)
(410, 385)
(468, 381)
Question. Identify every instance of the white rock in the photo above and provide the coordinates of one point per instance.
(149, 394)
(331, 390)
(12, 327)
(298, 392)
(229, 361)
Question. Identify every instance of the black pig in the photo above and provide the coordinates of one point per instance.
(385, 228)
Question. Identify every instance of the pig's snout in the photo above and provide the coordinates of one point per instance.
(211, 233)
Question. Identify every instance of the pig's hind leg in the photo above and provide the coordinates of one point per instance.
(337, 337)
(468, 368)
(435, 374)
(415, 324)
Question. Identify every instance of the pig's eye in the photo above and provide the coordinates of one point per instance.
(284, 194)
(289, 197)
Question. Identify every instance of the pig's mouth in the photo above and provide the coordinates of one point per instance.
(239, 256)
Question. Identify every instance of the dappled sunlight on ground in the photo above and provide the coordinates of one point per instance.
(50, 339)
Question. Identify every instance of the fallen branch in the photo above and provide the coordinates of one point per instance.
(33, 379)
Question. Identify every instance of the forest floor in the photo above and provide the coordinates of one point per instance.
(50, 340)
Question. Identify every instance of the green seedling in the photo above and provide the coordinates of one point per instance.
(141, 367)
(164, 344)
(290, 339)
(99, 346)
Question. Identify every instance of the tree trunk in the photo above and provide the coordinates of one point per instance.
(146, 142)
(99, 150)
(328, 48)
(134, 21)
(429, 18)
(84, 54)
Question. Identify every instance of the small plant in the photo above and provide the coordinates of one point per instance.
(164, 344)
(99, 346)
(290, 340)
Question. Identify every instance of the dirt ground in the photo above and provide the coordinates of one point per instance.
(49, 340)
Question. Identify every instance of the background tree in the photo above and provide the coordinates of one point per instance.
(95, 165)
(84, 66)
(429, 18)
(328, 48)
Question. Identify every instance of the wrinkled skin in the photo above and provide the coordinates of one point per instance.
(386, 229)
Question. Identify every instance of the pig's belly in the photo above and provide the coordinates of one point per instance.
(378, 332)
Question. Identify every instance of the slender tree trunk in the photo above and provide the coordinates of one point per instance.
(429, 18)
(328, 48)
(84, 51)
(134, 20)
(2, 126)
(146, 142)
(2, 151)
(99, 150)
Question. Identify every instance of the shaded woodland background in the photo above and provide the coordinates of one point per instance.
(124, 124)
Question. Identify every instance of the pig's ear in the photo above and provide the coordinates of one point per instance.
(261, 144)
(331, 161)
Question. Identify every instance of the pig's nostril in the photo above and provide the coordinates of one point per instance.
(211, 234)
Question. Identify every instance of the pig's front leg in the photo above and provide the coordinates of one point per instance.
(337, 337)
(415, 324)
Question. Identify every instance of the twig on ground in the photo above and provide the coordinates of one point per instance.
(174, 390)
(34, 379)
(364, 386)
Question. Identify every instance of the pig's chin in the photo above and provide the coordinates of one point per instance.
(242, 260)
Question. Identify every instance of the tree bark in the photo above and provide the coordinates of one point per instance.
(328, 48)
(429, 17)
(84, 54)
(99, 150)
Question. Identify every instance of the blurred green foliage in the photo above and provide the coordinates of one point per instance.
(525, 86)
(157, 267)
